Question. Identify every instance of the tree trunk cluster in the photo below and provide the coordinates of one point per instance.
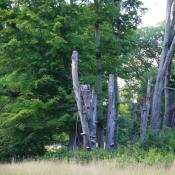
(86, 100)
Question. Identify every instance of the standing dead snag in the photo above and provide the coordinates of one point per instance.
(111, 120)
(76, 86)
(93, 119)
(144, 119)
(149, 94)
(89, 110)
(166, 57)
(145, 105)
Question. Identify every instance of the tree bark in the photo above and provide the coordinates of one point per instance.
(78, 98)
(149, 94)
(144, 119)
(93, 119)
(166, 56)
(167, 92)
(111, 121)
(89, 109)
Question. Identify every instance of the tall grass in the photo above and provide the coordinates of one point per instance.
(108, 167)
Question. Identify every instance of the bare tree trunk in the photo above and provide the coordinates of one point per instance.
(167, 93)
(111, 121)
(89, 109)
(86, 94)
(76, 86)
(117, 110)
(93, 119)
(166, 56)
(149, 93)
(144, 119)
(99, 87)
(133, 124)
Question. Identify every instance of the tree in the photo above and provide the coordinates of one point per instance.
(165, 59)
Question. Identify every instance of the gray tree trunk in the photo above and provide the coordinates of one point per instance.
(145, 106)
(144, 119)
(166, 56)
(149, 94)
(86, 95)
(100, 130)
(93, 119)
(111, 120)
(89, 101)
(168, 101)
(78, 98)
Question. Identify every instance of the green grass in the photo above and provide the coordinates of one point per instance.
(123, 155)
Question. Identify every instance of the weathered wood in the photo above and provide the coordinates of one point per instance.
(149, 94)
(166, 57)
(144, 119)
(93, 119)
(167, 93)
(86, 94)
(78, 98)
(111, 118)
(116, 89)
(89, 110)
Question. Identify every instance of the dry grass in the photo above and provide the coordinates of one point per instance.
(94, 168)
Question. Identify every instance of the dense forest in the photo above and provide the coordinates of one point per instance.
(127, 70)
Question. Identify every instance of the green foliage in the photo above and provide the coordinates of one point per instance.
(36, 40)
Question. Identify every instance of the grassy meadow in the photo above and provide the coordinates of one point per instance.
(94, 168)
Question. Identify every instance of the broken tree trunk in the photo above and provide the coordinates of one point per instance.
(89, 109)
(78, 98)
(166, 56)
(93, 119)
(111, 120)
(86, 95)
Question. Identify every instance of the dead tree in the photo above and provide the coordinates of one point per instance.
(89, 110)
(168, 96)
(93, 119)
(166, 57)
(78, 98)
(144, 119)
(149, 94)
(111, 119)
(145, 105)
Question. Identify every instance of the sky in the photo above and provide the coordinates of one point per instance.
(156, 12)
